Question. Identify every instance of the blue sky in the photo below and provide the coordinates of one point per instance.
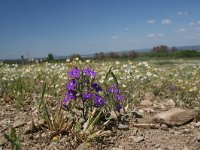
(34, 28)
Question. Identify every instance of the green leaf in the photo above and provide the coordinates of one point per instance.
(41, 98)
(108, 73)
(115, 78)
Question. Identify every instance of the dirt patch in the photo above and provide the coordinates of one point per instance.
(141, 134)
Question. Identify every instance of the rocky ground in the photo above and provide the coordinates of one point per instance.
(153, 125)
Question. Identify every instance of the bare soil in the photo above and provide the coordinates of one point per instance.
(147, 137)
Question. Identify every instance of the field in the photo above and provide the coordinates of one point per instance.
(36, 111)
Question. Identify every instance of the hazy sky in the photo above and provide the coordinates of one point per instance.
(35, 28)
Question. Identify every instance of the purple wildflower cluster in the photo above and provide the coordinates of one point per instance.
(79, 87)
(115, 91)
(82, 86)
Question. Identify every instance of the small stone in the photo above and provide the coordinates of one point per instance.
(138, 139)
(118, 148)
(81, 121)
(186, 130)
(197, 124)
(164, 127)
(170, 148)
(18, 123)
(125, 118)
(177, 132)
(36, 136)
(113, 115)
(123, 127)
(175, 117)
(136, 114)
(157, 145)
(185, 147)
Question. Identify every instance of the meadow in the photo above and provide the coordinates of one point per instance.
(40, 88)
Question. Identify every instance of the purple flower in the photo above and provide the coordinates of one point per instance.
(70, 95)
(114, 89)
(90, 73)
(71, 84)
(118, 107)
(119, 97)
(74, 73)
(64, 101)
(96, 87)
(87, 96)
(171, 88)
(98, 100)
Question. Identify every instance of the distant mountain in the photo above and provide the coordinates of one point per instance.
(196, 47)
(193, 47)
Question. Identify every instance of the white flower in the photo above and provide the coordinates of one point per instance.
(123, 85)
(117, 62)
(110, 78)
(87, 61)
(77, 58)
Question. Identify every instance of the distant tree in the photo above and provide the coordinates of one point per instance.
(173, 49)
(50, 57)
(22, 58)
(100, 55)
(160, 48)
(132, 54)
(124, 55)
(113, 55)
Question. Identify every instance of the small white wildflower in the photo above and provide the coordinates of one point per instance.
(149, 74)
(111, 78)
(87, 61)
(123, 85)
(125, 65)
(101, 81)
(77, 58)
(68, 60)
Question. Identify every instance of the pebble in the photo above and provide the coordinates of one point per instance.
(157, 145)
(197, 124)
(170, 148)
(123, 127)
(116, 148)
(185, 147)
(82, 121)
(138, 139)
(186, 131)
(137, 114)
(164, 127)
(113, 115)
(18, 123)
